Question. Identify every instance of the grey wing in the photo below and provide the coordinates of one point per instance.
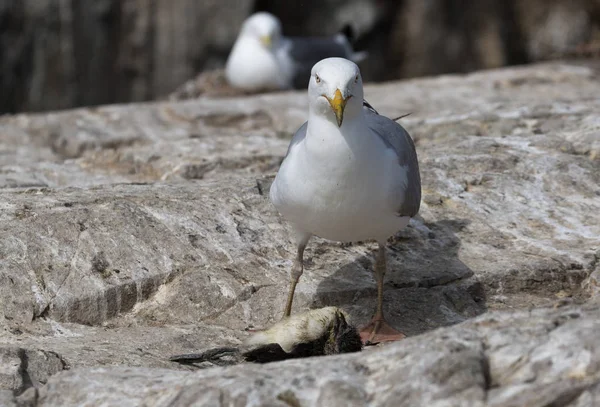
(307, 51)
(298, 137)
(397, 138)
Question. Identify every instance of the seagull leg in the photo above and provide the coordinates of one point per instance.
(296, 272)
(378, 330)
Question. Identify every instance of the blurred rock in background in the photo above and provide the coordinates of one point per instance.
(57, 54)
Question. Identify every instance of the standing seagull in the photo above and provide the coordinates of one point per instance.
(349, 174)
(262, 58)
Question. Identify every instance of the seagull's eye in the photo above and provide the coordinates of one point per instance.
(317, 79)
(356, 79)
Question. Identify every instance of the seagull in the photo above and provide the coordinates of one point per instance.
(323, 331)
(263, 59)
(349, 175)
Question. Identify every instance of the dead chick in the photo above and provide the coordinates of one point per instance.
(323, 331)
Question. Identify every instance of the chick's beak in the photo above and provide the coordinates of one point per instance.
(338, 104)
(266, 40)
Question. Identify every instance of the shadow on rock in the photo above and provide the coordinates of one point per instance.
(426, 285)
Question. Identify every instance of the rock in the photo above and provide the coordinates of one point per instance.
(132, 233)
(58, 54)
(539, 358)
(592, 284)
(7, 398)
(210, 83)
(23, 368)
(545, 37)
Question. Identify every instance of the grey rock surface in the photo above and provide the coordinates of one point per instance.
(526, 358)
(131, 233)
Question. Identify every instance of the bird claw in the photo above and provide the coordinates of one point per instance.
(378, 330)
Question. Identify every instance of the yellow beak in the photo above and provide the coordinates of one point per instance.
(266, 40)
(338, 104)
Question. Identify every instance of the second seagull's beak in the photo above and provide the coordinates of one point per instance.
(266, 41)
(338, 104)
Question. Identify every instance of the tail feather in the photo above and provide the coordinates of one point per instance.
(348, 32)
(401, 117)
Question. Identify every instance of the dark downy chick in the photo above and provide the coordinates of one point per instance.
(323, 331)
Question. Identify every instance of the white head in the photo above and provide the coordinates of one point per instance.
(335, 90)
(262, 27)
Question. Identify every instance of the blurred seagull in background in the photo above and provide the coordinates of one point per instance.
(349, 175)
(263, 59)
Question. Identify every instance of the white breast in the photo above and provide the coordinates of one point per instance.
(341, 192)
(250, 66)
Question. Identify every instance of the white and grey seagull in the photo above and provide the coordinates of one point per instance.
(262, 58)
(349, 175)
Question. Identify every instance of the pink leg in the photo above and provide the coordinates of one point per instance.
(378, 330)
(297, 270)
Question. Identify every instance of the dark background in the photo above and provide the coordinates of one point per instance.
(57, 54)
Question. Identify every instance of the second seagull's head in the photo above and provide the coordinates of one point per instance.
(264, 28)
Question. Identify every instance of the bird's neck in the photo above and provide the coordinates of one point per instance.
(323, 127)
(252, 45)
(324, 136)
